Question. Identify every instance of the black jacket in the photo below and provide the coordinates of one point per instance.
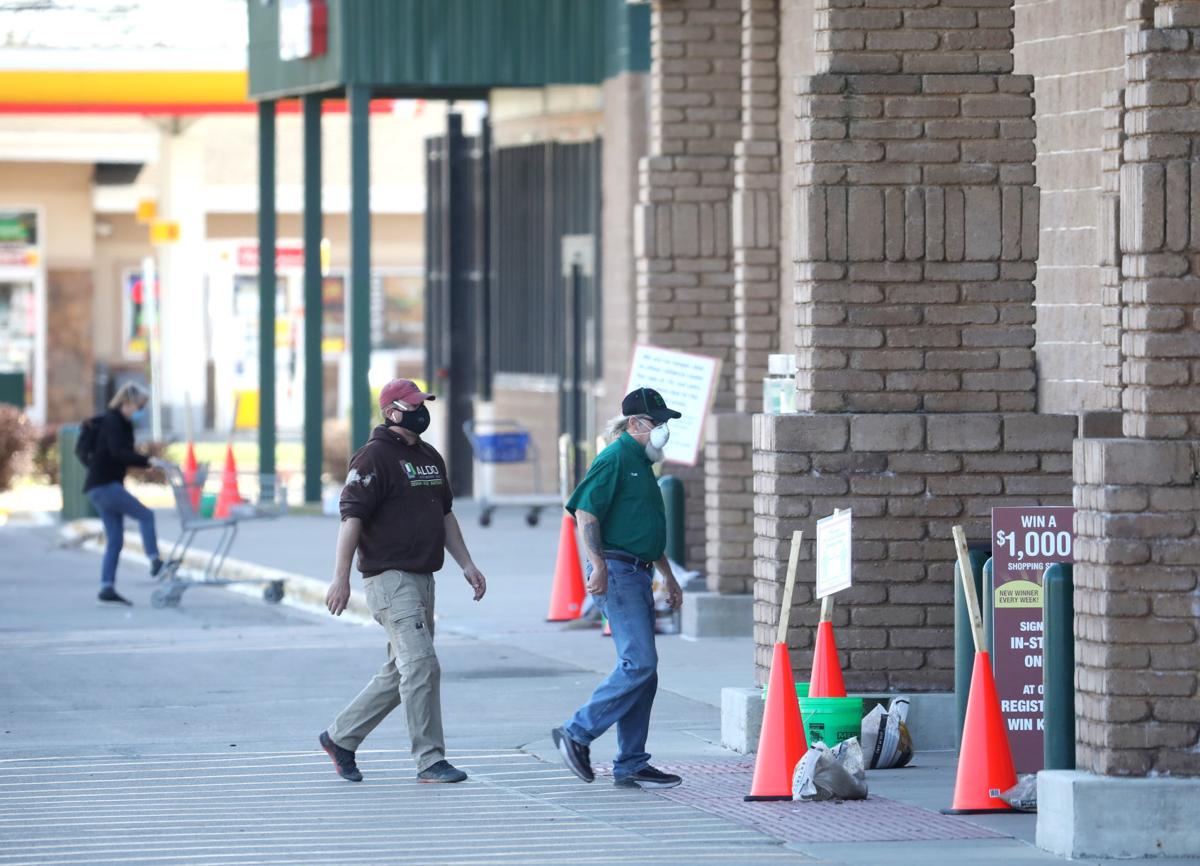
(114, 451)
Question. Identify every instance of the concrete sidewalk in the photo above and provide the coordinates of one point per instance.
(178, 727)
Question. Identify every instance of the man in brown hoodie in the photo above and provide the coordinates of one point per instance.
(396, 513)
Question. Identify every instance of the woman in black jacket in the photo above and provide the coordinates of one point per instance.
(105, 486)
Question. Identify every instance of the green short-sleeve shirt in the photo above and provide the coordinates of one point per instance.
(621, 490)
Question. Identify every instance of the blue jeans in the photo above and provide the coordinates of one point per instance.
(625, 697)
(115, 503)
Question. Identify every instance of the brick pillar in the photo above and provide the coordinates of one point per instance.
(1138, 549)
(755, 237)
(917, 225)
(756, 205)
(683, 232)
(69, 345)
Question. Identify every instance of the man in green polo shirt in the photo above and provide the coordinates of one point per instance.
(620, 512)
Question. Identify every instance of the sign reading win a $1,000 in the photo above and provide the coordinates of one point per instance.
(1025, 542)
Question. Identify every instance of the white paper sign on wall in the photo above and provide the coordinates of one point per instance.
(688, 384)
(834, 555)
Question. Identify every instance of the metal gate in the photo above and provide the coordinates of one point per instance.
(456, 279)
(512, 274)
(545, 310)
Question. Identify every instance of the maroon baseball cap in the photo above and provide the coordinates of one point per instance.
(404, 390)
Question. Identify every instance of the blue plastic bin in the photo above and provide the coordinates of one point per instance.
(501, 447)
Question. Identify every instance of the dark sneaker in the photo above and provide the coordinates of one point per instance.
(648, 777)
(343, 759)
(156, 565)
(442, 771)
(575, 755)
(108, 595)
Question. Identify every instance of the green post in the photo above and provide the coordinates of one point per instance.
(360, 264)
(266, 299)
(71, 475)
(964, 644)
(987, 600)
(313, 305)
(672, 494)
(1058, 666)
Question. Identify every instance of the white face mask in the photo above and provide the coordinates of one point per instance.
(659, 436)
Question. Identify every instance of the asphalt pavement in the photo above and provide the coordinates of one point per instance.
(188, 735)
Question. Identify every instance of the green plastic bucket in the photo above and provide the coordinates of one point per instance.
(801, 690)
(831, 720)
(208, 504)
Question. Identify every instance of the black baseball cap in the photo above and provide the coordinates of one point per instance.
(647, 401)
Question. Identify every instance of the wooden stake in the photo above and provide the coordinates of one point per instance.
(827, 608)
(187, 414)
(968, 581)
(237, 400)
(789, 586)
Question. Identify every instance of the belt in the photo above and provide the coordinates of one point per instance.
(622, 556)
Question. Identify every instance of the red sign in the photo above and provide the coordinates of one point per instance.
(285, 256)
(1025, 542)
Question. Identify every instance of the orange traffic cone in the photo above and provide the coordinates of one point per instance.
(189, 476)
(782, 743)
(985, 764)
(826, 680)
(229, 494)
(566, 597)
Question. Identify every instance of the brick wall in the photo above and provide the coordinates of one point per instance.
(625, 141)
(1074, 50)
(1137, 641)
(729, 504)
(907, 478)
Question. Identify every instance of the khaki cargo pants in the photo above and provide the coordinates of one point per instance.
(402, 602)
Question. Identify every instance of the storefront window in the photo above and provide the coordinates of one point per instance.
(136, 315)
(398, 311)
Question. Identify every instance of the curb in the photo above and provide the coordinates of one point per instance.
(88, 534)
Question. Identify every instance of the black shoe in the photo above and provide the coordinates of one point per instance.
(442, 771)
(108, 595)
(648, 777)
(156, 565)
(575, 755)
(343, 759)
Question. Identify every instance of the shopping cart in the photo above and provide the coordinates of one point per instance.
(191, 523)
(505, 443)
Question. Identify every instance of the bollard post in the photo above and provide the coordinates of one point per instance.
(672, 494)
(71, 475)
(988, 600)
(1058, 666)
(964, 645)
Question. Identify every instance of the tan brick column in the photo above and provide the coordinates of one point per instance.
(683, 231)
(755, 237)
(1138, 550)
(917, 225)
(915, 179)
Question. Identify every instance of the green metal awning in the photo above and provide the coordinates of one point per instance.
(451, 48)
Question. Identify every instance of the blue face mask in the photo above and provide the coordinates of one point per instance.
(139, 415)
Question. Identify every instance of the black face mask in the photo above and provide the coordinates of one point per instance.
(417, 420)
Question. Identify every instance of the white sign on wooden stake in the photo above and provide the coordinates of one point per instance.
(834, 554)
